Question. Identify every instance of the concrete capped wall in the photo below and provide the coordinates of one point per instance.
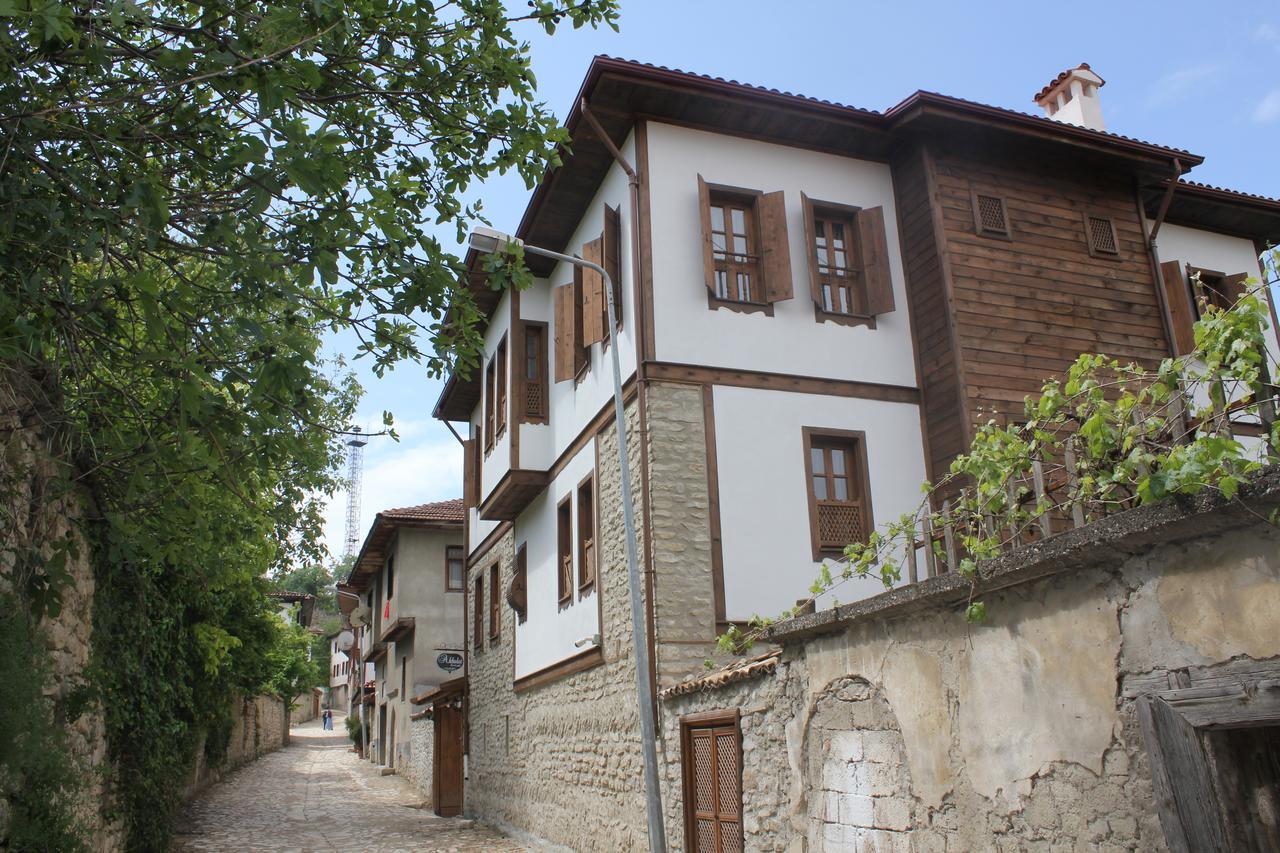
(1019, 733)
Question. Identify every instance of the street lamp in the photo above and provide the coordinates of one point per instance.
(488, 241)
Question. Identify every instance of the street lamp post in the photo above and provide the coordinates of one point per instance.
(488, 241)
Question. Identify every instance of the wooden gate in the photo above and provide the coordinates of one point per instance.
(712, 763)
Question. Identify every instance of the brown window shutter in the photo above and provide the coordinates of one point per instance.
(1233, 286)
(775, 248)
(810, 252)
(875, 260)
(471, 482)
(613, 257)
(564, 332)
(1177, 295)
(593, 307)
(708, 257)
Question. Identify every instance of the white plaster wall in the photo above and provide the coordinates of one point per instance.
(791, 341)
(764, 511)
(548, 635)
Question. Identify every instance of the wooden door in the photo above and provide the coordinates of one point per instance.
(446, 785)
(713, 798)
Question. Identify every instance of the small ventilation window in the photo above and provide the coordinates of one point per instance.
(990, 215)
(1102, 236)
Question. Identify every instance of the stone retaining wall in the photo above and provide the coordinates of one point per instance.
(418, 767)
(261, 726)
(894, 725)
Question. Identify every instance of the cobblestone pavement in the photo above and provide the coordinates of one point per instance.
(316, 795)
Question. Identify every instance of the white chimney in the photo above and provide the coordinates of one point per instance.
(1072, 97)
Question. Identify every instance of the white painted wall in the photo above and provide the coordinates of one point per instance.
(764, 511)
(548, 635)
(791, 341)
(572, 404)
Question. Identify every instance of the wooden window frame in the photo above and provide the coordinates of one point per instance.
(581, 349)
(1094, 251)
(501, 397)
(982, 230)
(495, 606)
(449, 550)
(717, 722)
(750, 201)
(611, 249)
(391, 577)
(1226, 284)
(540, 369)
(489, 409)
(815, 209)
(1178, 727)
(564, 549)
(588, 561)
(862, 482)
(477, 612)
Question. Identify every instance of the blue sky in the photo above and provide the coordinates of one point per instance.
(1177, 74)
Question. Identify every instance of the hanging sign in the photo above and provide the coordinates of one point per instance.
(449, 661)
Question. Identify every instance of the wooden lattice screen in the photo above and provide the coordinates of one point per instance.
(712, 774)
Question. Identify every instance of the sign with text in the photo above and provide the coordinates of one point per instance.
(449, 661)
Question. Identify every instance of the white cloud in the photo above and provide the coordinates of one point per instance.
(1177, 85)
(1268, 109)
(1267, 33)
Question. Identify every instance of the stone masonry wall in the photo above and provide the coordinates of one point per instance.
(418, 766)
(36, 513)
(261, 726)
(914, 731)
(561, 762)
(684, 589)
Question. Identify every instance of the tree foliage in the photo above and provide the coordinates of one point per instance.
(191, 196)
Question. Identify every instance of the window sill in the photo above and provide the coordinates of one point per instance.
(565, 603)
(715, 302)
(822, 316)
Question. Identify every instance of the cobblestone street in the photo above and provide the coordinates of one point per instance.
(316, 795)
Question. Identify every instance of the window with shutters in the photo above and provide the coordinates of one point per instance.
(572, 354)
(587, 551)
(533, 373)
(564, 552)
(518, 590)
(495, 612)
(454, 568)
(500, 383)
(1100, 234)
(990, 215)
(612, 261)
(838, 489)
(1215, 288)
(746, 254)
(848, 261)
(490, 378)
(711, 755)
(477, 614)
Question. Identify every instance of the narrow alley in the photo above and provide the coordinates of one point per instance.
(314, 795)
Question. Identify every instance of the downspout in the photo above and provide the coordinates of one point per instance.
(1153, 254)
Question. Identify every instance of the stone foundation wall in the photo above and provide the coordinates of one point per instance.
(903, 728)
(561, 761)
(418, 765)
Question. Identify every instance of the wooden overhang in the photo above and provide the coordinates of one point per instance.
(515, 491)
(377, 652)
(398, 630)
(452, 689)
(1239, 214)
(621, 91)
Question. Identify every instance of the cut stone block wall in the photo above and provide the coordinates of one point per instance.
(261, 726)
(561, 762)
(906, 728)
(417, 766)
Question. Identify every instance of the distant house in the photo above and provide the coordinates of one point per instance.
(339, 674)
(296, 607)
(408, 581)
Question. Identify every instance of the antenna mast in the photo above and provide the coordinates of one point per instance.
(355, 469)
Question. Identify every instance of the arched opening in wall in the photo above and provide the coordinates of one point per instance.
(857, 784)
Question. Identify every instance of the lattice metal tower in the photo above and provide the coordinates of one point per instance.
(355, 470)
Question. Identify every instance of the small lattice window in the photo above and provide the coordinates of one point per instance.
(839, 497)
(1102, 236)
(990, 215)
